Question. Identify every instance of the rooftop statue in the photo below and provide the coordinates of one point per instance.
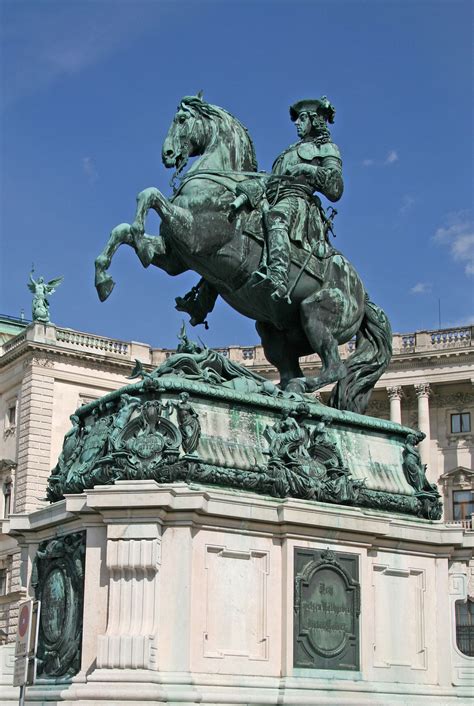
(261, 242)
(41, 290)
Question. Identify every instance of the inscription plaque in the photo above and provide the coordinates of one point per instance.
(326, 609)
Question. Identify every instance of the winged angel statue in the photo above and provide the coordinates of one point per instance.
(41, 290)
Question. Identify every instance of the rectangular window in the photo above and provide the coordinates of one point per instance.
(463, 504)
(12, 416)
(461, 423)
(7, 498)
(465, 627)
(3, 582)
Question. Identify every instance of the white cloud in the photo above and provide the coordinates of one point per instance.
(407, 203)
(421, 288)
(458, 235)
(89, 169)
(45, 42)
(392, 157)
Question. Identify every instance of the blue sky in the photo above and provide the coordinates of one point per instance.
(88, 90)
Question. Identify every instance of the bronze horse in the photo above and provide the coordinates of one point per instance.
(328, 306)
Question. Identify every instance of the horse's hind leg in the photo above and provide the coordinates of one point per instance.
(279, 352)
(322, 315)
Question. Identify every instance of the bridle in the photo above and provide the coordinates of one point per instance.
(184, 142)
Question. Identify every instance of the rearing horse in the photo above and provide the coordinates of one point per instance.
(326, 309)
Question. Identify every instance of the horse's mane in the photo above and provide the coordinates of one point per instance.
(245, 150)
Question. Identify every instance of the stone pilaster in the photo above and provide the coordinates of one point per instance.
(35, 432)
(133, 561)
(395, 396)
(423, 393)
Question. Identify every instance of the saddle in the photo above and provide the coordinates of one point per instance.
(316, 265)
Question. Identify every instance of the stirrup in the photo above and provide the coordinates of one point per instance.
(279, 292)
(258, 278)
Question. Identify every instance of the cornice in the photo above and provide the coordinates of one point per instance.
(27, 350)
(409, 359)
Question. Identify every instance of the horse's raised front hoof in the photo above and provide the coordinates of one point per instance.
(104, 285)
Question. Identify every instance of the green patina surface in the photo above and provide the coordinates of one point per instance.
(41, 290)
(262, 242)
(58, 581)
(189, 420)
(327, 609)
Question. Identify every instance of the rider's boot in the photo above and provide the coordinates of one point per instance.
(278, 264)
(198, 303)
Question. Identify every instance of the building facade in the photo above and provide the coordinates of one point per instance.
(47, 371)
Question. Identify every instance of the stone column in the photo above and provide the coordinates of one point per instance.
(395, 396)
(423, 392)
(133, 561)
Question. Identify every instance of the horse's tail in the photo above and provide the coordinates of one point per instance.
(369, 360)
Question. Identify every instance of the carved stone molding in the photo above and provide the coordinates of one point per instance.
(6, 464)
(459, 400)
(423, 389)
(44, 361)
(133, 561)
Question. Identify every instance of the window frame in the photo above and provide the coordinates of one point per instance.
(3, 580)
(460, 504)
(460, 416)
(7, 491)
(10, 424)
(465, 630)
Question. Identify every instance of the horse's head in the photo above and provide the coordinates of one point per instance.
(187, 134)
(199, 127)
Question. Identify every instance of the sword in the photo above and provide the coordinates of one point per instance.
(328, 223)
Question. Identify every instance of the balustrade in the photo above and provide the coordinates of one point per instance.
(107, 345)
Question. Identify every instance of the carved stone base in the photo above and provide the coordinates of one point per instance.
(195, 594)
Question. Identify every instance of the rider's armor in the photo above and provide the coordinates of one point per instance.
(294, 212)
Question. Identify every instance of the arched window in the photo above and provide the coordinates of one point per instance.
(465, 626)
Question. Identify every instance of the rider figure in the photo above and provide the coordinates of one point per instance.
(294, 212)
(311, 165)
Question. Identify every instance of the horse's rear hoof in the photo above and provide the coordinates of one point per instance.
(296, 385)
(104, 285)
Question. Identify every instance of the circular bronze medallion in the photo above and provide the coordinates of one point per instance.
(53, 607)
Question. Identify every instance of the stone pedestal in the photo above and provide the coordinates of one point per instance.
(201, 590)
(224, 543)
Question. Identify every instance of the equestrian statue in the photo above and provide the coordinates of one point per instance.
(261, 242)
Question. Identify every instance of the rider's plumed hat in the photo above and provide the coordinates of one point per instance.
(320, 106)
